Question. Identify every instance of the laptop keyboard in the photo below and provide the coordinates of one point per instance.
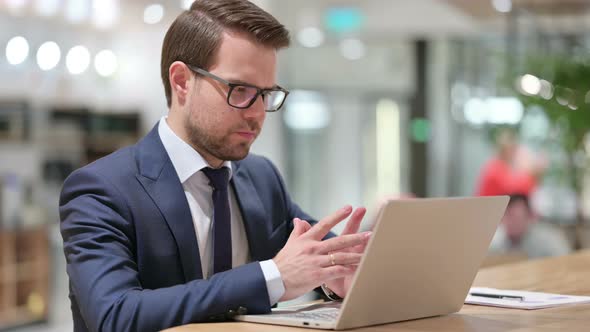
(328, 314)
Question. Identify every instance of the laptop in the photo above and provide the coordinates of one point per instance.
(420, 262)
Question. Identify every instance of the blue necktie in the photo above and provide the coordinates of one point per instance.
(219, 180)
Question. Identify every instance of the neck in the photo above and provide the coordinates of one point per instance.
(505, 157)
(216, 163)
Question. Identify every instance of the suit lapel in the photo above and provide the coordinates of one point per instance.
(159, 179)
(253, 212)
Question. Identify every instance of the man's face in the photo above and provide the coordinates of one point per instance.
(217, 130)
(517, 219)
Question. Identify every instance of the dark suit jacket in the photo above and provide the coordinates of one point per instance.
(131, 250)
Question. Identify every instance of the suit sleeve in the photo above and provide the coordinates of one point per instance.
(99, 246)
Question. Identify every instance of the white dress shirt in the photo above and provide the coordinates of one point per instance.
(188, 164)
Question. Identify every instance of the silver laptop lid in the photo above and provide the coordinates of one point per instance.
(421, 260)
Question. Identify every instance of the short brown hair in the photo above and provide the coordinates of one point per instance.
(195, 36)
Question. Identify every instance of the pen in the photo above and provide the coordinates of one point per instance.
(498, 296)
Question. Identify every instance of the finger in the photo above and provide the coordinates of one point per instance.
(340, 258)
(306, 226)
(343, 242)
(298, 228)
(354, 222)
(337, 271)
(360, 248)
(319, 230)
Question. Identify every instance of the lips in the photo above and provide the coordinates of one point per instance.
(249, 131)
(247, 134)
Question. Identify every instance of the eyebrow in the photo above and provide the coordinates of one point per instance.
(250, 84)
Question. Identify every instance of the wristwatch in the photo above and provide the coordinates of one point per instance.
(330, 293)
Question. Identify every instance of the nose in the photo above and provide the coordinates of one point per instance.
(256, 110)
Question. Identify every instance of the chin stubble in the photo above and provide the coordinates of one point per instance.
(219, 149)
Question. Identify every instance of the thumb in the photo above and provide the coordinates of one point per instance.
(305, 225)
(298, 228)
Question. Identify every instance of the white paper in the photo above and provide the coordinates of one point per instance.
(531, 300)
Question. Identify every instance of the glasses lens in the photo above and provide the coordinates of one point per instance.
(242, 95)
(274, 99)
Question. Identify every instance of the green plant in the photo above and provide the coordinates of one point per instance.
(564, 95)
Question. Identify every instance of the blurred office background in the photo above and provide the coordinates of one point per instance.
(387, 97)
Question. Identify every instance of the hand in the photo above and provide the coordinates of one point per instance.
(530, 163)
(340, 286)
(305, 261)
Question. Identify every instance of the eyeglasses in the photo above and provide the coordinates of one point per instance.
(243, 95)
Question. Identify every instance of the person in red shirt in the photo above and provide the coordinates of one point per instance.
(504, 174)
(511, 171)
(515, 171)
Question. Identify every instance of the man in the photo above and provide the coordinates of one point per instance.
(186, 226)
(520, 232)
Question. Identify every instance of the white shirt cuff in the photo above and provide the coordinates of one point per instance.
(274, 282)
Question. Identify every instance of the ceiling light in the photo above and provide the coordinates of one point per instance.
(311, 37)
(475, 111)
(78, 60)
(15, 7)
(17, 50)
(105, 13)
(105, 63)
(306, 110)
(186, 4)
(48, 55)
(352, 49)
(153, 14)
(47, 8)
(494, 110)
(77, 11)
(503, 6)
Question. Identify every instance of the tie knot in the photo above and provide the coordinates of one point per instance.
(218, 178)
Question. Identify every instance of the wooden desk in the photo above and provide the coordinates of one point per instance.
(566, 275)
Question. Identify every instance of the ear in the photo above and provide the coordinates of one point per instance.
(180, 81)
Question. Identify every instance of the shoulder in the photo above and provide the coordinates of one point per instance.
(100, 188)
(122, 160)
(114, 170)
(495, 167)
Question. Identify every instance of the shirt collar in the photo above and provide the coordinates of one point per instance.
(186, 160)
